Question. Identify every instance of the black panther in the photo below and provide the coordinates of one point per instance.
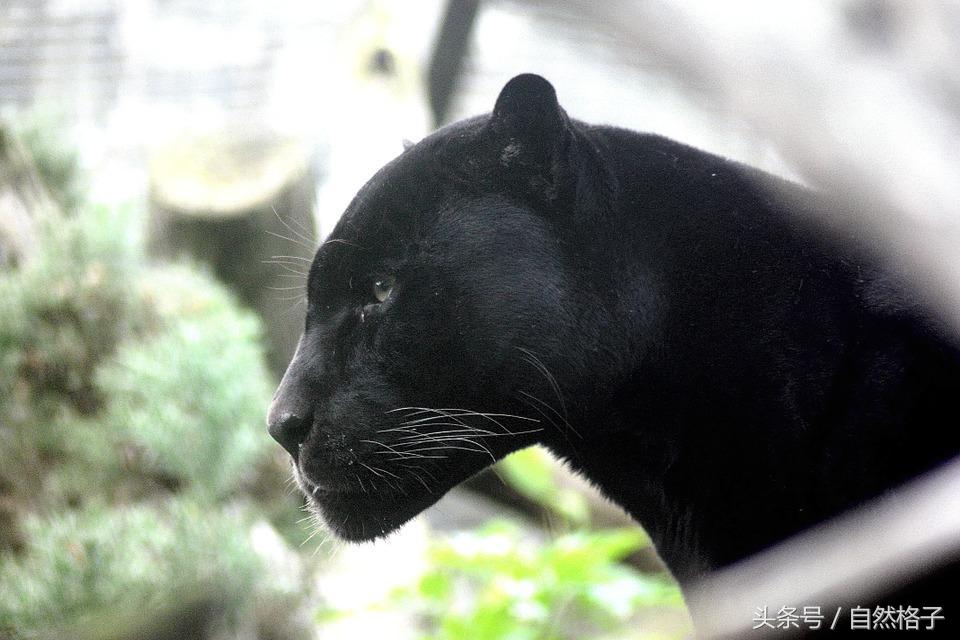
(680, 328)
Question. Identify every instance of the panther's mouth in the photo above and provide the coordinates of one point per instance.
(358, 516)
(317, 490)
(366, 486)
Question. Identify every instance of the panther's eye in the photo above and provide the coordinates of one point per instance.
(383, 287)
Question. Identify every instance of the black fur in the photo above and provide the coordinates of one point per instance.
(678, 325)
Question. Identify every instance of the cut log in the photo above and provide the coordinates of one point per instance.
(241, 203)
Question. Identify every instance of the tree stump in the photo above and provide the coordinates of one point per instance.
(241, 203)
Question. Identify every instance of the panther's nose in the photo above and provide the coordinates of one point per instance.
(289, 429)
(291, 413)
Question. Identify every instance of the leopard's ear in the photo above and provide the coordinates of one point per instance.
(527, 107)
(530, 130)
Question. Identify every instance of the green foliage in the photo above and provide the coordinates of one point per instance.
(131, 408)
(532, 472)
(111, 371)
(65, 311)
(134, 558)
(57, 163)
(192, 397)
(494, 585)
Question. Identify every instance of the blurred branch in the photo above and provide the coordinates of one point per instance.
(859, 555)
(22, 198)
(449, 51)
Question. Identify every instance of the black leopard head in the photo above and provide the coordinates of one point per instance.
(448, 317)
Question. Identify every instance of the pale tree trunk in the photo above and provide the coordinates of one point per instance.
(22, 199)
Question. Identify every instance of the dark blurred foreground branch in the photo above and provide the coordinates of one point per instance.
(866, 553)
(448, 55)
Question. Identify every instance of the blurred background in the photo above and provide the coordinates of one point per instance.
(167, 168)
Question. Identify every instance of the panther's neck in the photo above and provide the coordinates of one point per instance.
(718, 468)
(669, 518)
(705, 500)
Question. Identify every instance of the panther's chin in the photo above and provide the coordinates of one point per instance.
(361, 517)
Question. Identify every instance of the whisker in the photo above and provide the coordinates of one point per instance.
(491, 417)
(555, 412)
(291, 229)
(302, 226)
(377, 472)
(447, 438)
(392, 450)
(410, 430)
(397, 459)
(413, 472)
(292, 258)
(293, 288)
(370, 469)
(360, 482)
(286, 267)
(448, 411)
(381, 444)
(423, 482)
(289, 265)
(459, 413)
(448, 424)
(447, 414)
(407, 440)
(425, 470)
(452, 448)
(310, 537)
(413, 410)
(392, 475)
(302, 300)
(481, 449)
(307, 231)
(460, 432)
(538, 364)
(342, 241)
(295, 241)
(406, 455)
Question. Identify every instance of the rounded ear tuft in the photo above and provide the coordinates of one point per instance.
(527, 103)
